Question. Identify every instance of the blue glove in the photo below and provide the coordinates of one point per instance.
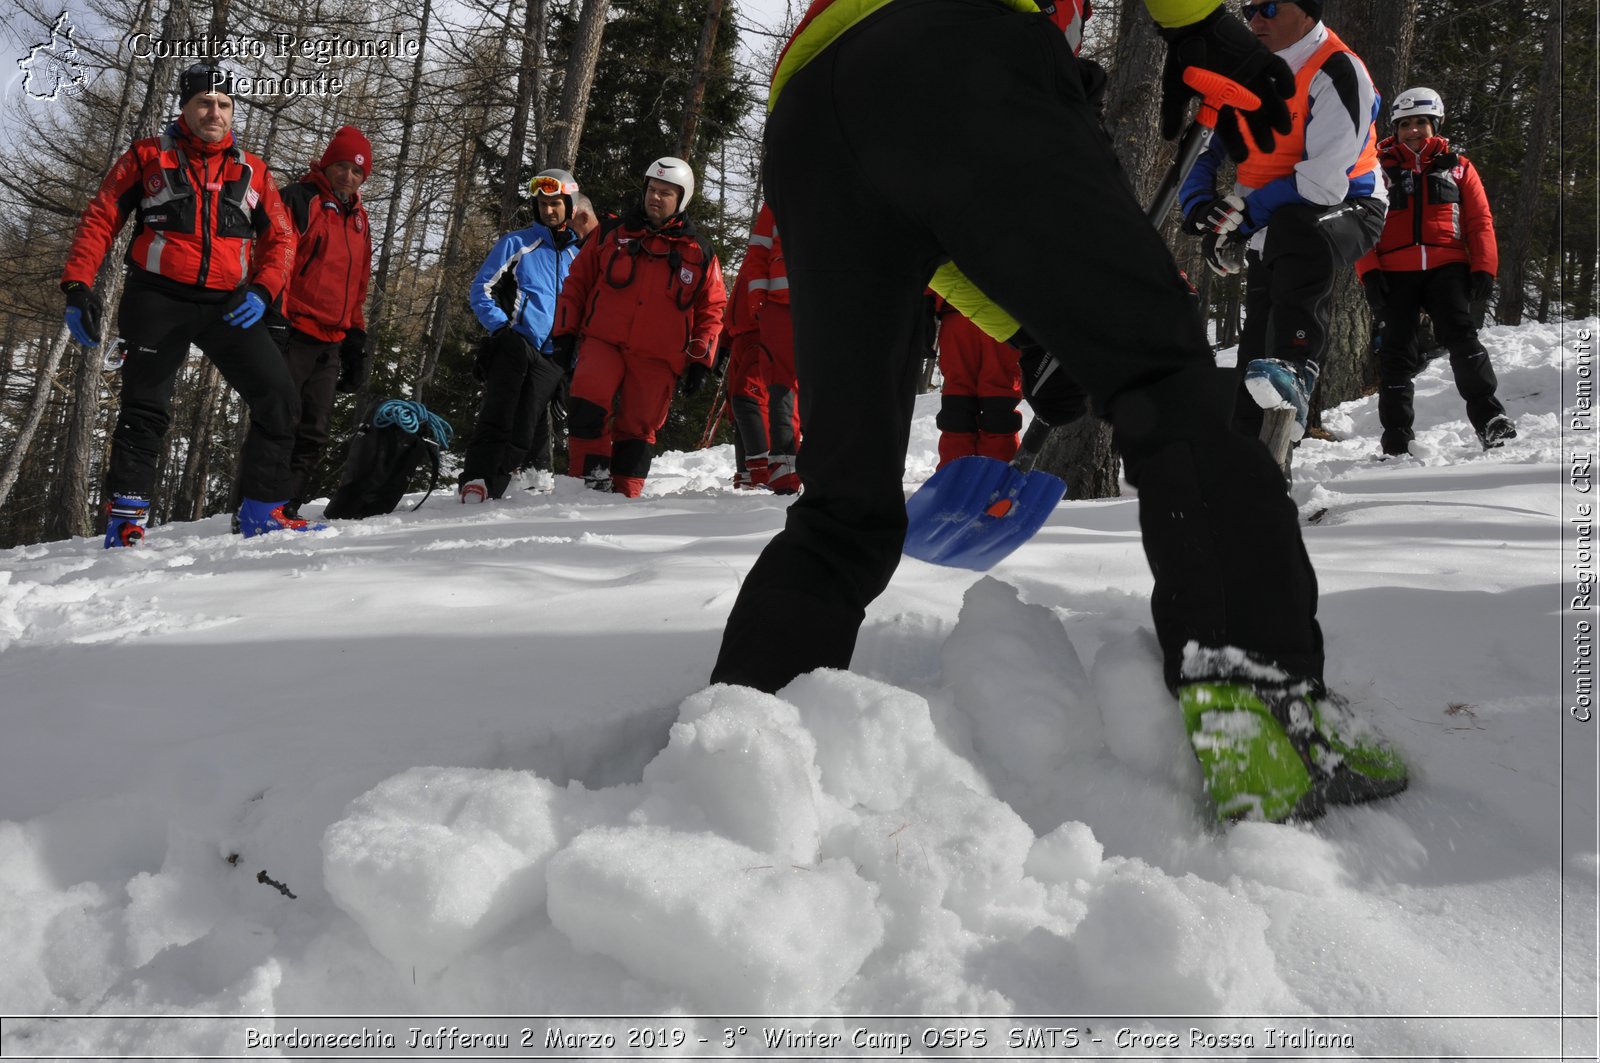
(83, 314)
(248, 310)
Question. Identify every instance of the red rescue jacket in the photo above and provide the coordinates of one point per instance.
(762, 276)
(1438, 212)
(209, 216)
(333, 262)
(647, 291)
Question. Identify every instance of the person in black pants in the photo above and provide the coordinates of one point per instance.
(514, 298)
(1437, 253)
(864, 118)
(212, 249)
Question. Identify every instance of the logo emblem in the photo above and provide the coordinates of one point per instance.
(50, 69)
(154, 183)
(360, 158)
(686, 275)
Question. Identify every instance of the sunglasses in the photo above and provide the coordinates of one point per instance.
(550, 186)
(1250, 11)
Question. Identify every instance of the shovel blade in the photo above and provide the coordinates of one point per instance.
(975, 511)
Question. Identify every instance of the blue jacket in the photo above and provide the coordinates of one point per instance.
(519, 282)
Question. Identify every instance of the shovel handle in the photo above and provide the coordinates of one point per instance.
(1033, 441)
(1216, 92)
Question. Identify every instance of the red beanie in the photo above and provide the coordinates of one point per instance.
(349, 145)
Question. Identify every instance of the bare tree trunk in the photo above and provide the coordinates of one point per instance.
(1514, 250)
(379, 300)
(190, 502)
(74, 496)
(568, 125)
(1081, 453)
(528, 68)
(36, 408)
(452, 255)
(697, 87)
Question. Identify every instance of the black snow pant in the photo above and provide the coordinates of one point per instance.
(1098, 287)
(314, 367)
(517, 388)
(1443, 293)
(1290, 283)
(159, 325)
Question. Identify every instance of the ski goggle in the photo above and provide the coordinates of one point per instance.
(545, 185)
(1250, 11)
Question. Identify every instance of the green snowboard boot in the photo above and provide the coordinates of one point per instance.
(1276, 753)
(1251, 768)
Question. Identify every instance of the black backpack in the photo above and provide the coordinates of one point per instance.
(395, 437)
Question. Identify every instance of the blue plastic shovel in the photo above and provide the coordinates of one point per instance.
(975, 511)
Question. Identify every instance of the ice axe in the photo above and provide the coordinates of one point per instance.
(976, 510)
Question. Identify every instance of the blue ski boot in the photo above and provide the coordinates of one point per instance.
(259, 518)
(1277, 384)
(125, 519)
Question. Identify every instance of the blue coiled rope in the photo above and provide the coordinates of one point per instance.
(410, 416)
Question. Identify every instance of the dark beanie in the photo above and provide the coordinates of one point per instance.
(200, 78)
(1312, 8)
(349, 145)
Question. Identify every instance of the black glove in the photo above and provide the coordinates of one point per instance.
(1224, 254)
(1220, 215)
(1482, 285)
(1375, 286)
(1055, 397)
(352, 361)
(480, 359)
(564, 351)
(693, 378)
(1222, 44)
(1094, 82)
(83, 314)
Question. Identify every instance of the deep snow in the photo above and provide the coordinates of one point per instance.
(476, 746)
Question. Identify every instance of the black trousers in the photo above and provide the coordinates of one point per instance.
(159, 327)
(1290, 283)
(987, 105)
(1443, 293)
(517, 388)
(314, 367)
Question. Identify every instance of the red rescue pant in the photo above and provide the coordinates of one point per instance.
(982, 386)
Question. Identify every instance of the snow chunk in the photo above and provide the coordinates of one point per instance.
(876, 744)
(744, 766)
(1068, 854)
(1155, 944)
(1013, 672)
(949, 846)
(435, 862)
(736, 928)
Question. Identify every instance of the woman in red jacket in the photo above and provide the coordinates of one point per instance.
(641, 308)
(1438, 254)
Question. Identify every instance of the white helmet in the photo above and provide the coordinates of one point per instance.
(1419, 101)
(674, 172)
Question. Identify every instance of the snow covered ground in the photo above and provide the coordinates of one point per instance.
(459, 768)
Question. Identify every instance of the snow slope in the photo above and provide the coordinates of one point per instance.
(462, 762)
